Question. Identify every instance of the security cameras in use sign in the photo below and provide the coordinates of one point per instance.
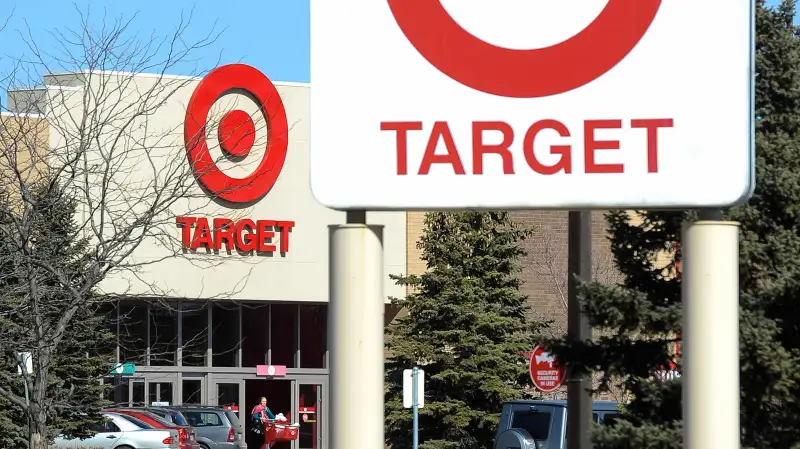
(435, 104)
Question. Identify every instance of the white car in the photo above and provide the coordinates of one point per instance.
(124, 432)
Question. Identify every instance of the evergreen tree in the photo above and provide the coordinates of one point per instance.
(466, 326)
(641, 317)
(74, 395)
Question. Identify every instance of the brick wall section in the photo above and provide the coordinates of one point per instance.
(544, 269)
(25, 149)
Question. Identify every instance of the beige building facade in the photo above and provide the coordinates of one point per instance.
(219, 302)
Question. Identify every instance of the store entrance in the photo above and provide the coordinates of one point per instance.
(311, 414)
(279, 397)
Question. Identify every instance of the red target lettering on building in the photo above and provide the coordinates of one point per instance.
(236, 133)
(524, 73)
(547, 374)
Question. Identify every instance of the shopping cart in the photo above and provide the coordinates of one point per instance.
(279, 431)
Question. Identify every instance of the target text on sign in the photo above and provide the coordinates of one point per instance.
(245, 235)
(440, 148)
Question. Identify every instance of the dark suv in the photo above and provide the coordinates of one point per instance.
(216, 427)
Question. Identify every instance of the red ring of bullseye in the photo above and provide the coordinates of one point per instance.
(214, 85)
(524, 73)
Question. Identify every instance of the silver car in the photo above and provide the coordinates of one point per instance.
(124, 432)
(216, 428)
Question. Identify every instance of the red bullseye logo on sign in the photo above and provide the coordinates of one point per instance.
(236, 133)
(524, 73)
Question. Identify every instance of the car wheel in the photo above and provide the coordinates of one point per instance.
(204, 446)
(123, 447)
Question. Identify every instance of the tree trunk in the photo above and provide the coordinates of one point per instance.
(38, 428)
(38, 441)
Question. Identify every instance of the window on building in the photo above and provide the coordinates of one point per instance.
(224, 334)
(313, 335)
(106, 344)
(137, 395)
(194, 317)
(283, 334)
(163, 333)
(133, 324)
(117, 390)
(192, 391)
(160, 393)
(255, 332)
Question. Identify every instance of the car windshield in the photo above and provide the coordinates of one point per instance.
(179, 419)
(137, 422)
(158, 419)
(164, 415)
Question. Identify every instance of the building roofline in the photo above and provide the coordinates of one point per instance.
(164, 76)
(45, 87)
(20, 114)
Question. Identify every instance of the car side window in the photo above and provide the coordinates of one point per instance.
(203, 419)
(109, 426)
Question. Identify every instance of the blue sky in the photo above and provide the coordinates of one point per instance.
(272, 35)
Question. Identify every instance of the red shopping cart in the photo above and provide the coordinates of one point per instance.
(279, 431)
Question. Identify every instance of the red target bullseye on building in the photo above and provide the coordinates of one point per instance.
(540, 72)
(236, 133)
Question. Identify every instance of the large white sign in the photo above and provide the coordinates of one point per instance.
(426, 104)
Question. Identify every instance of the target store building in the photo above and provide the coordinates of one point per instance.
(231, 303)
(228, 300)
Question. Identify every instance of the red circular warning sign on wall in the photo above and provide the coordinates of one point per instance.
(546, 374)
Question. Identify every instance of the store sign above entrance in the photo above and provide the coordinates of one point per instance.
(271, 370)
(123, 369)
(236, 137)
(566, 105)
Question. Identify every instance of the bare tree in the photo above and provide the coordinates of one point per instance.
(549, 260)
(95, 134)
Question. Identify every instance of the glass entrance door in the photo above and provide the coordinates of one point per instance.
(126, 392)
(228, 392)
(192, 389)
(160, 393)
(310, 412)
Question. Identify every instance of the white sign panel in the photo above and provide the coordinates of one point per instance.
(24, 359)
(408, 389)
(549, 104)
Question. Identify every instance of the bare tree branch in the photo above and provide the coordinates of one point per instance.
(96, 131)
